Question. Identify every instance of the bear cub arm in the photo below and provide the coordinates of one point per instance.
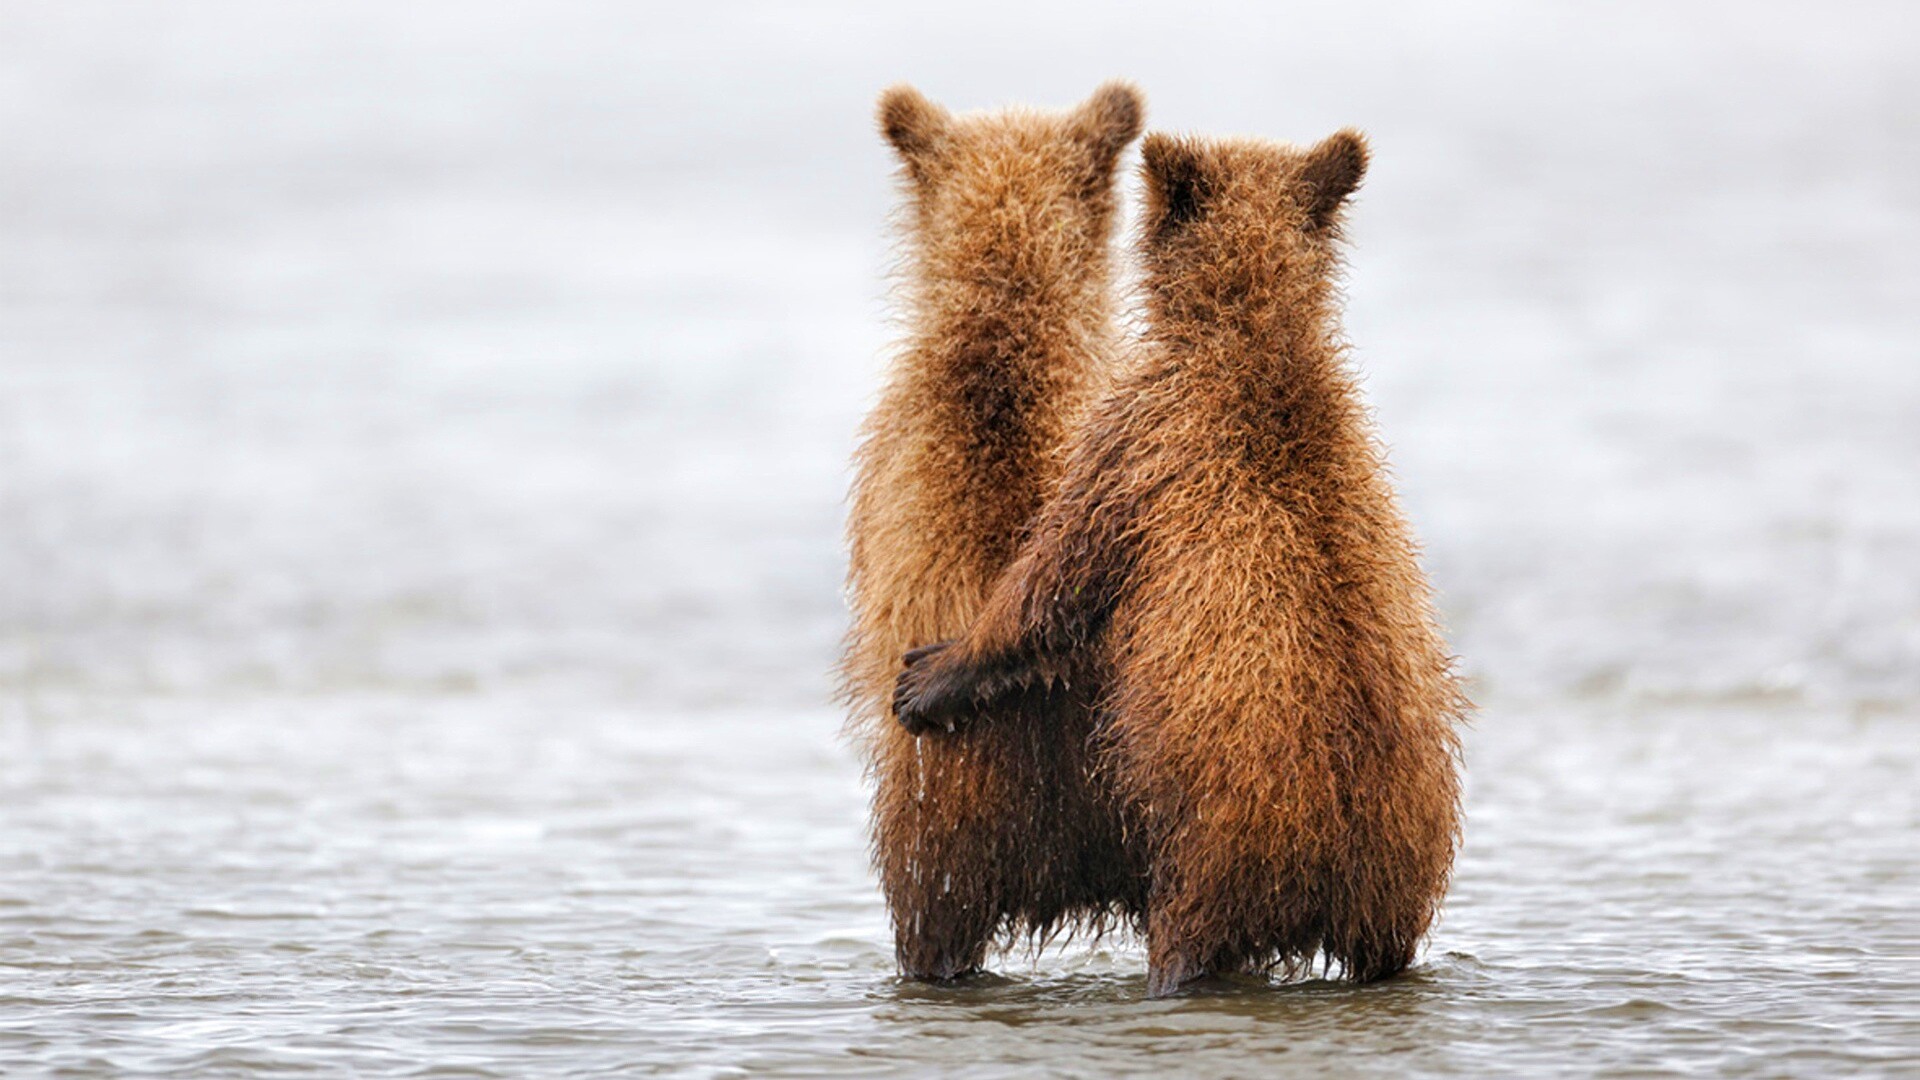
(942, 687)
(1040, 630)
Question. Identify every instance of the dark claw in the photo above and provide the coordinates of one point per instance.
(916, 722)
(914, 656)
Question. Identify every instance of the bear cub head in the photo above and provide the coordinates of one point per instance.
(1015, 197)
(1237, 221)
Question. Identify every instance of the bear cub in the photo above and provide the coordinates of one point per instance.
(1009, 326)
(1223, 583)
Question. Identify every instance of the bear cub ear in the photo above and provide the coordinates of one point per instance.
(1331, 172)
(1109, 120)
(1178, 185)
(914, 125)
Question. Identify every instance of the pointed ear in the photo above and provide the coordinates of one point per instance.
(1332, 171)
(914, 125)
(1178, 183)
(1109, 120)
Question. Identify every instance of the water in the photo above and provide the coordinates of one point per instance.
(476, 887)
(422, 434)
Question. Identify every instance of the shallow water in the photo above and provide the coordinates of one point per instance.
(422, 442)
(467, 886)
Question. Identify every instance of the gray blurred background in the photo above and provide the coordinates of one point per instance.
(472, 348)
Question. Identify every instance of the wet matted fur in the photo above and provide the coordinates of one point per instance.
(1007, 295)
(1224, 573)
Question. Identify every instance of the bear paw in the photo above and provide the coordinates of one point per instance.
(933, 693)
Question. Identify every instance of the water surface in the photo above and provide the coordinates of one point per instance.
(462, 886)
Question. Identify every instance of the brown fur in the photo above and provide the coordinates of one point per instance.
(1225, 572)
(1011, 328)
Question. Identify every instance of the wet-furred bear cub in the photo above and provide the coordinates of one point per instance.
(1011, 326)
(1224, 575)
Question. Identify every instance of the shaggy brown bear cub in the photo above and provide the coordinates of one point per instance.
(1223, 574)
(1011, 327)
